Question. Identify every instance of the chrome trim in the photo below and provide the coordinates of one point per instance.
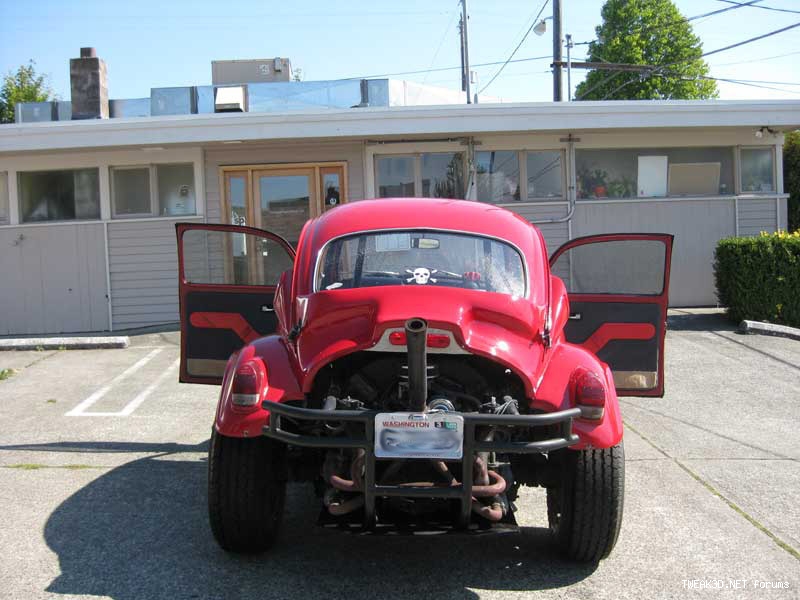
(383, 344)
(521, 254)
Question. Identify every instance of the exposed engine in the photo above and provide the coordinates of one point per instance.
(413, 380)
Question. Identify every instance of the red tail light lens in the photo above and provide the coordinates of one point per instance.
(247, 383)
(435, 340)
(397, 338)
(438, 340)
(590, 394)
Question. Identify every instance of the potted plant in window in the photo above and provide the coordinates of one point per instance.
(621, 188)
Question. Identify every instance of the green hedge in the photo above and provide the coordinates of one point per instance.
(759, 278)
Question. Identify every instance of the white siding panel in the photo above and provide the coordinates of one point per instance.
(143, 260)
(278, 153)
(757, 215)
(696, 224)
(554, 234)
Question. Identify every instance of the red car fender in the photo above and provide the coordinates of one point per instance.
(280, 385)
(554, 393)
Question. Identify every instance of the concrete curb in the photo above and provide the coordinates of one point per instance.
(769, 329)
(64, 343)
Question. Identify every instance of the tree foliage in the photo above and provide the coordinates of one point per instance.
(646, 32)
(26, 85)
(791, 177)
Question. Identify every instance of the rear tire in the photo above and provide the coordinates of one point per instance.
(246, 491)
(585, 512)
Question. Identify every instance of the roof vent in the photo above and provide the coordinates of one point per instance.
(230, 99)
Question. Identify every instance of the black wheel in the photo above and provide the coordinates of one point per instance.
(246, 491)
(585, 511)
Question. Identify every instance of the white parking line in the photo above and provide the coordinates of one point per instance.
(134, 404)
(80, 410)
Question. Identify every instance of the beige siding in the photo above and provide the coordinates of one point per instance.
(554, 234)
(696, 224)
(757, 215)
(143, 261)
(53, 279)
(278, 153)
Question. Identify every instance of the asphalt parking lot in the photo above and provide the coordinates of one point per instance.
(102, 491)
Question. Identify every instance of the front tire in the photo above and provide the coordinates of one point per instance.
(585, 511)
(246, 491)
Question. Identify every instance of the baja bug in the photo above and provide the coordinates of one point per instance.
(419, 360)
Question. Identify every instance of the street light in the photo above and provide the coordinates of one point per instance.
(541, 26)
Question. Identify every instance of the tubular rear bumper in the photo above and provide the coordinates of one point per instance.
(462, 492)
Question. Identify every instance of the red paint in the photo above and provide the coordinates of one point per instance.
(618, 331)
(222, 320)
(510, 331)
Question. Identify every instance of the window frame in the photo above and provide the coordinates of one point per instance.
(417, 166)
(154, 193)
(738, 171)
(19, 196)
(5, 199)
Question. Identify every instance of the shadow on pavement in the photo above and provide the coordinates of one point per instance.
(141, 531)
(690, 321)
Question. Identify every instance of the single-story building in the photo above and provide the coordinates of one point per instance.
(88, 207)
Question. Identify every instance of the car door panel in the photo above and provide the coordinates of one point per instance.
(625, 330)
(227, 285)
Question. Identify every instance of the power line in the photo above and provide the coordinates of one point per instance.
(761, 6)
(489, 64)
(441, 43)
(649, 28)
(742, 62)
(754, 39)
(524, 37)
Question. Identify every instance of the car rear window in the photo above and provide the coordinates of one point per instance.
(421, 258)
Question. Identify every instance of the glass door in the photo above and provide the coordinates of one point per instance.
(284, 200)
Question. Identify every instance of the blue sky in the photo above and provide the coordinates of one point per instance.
(172, 43)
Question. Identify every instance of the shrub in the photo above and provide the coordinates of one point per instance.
(759, 278)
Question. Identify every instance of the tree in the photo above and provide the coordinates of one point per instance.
(791, 177)
(646, 32)
(23, 86)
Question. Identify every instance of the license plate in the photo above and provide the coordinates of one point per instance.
(419, 435)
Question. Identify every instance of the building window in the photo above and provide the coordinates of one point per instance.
(153, 191)
(59, 195)
(545, 175)
(395, 176)
(433, 175)
(497, 176)
(131, 192)
(3, 198)
(758, 171)
(654, 172)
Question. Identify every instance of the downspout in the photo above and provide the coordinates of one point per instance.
(572, 183)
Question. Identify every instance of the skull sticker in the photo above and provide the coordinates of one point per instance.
(421, 275)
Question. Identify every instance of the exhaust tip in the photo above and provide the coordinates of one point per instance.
(416, 325)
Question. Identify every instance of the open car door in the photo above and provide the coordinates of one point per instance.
(227, 277)
(618, 286)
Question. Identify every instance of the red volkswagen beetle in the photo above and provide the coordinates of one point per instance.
(419, 360)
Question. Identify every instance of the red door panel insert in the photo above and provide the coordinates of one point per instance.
(618, 331)
(223, 320)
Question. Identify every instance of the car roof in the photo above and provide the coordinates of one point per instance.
(422, 213)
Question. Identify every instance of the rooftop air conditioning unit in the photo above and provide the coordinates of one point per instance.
(230, 99)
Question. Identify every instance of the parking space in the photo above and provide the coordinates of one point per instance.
(102, 490)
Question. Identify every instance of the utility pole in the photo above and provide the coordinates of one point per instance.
(557, 55)
(465, 74)
(569, 68)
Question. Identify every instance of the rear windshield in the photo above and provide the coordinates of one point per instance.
(421, 258)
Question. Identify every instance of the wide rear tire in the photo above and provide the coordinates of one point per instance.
(585, 511)
(246, 491)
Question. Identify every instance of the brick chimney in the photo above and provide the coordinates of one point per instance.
(89, 86)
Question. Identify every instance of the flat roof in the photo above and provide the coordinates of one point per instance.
(450, 120)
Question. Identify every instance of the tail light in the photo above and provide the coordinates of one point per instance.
(590, 394)
(248, 382)
(435, 340)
